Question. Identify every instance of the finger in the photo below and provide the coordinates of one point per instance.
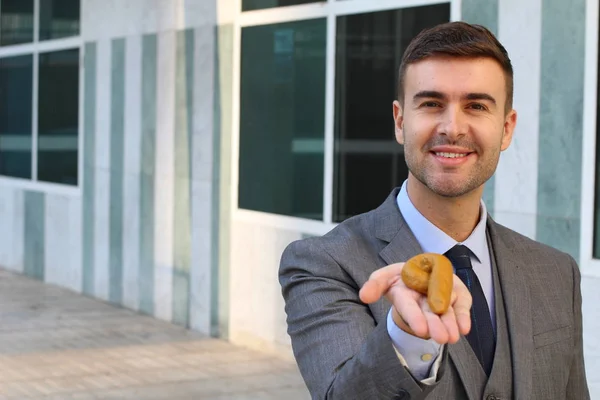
(449, 321)
(437, 329)
(462, 306)
(372, 291)
(453, 296)
(379, 282)
(410, 310)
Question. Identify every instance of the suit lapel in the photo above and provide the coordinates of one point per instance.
(390, 226)
(402, 247)
(468, 367)
(515, 291)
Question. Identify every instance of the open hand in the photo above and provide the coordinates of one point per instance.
(410, 309)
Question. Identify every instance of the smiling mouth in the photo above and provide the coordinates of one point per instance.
(451, 155)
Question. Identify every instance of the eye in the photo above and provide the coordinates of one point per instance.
(430, 104)
(478, 106)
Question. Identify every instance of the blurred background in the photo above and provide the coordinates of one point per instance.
(156, 157)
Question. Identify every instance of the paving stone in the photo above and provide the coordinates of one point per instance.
(58, 345)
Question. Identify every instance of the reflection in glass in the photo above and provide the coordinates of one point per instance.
(16, 22)
(368, 162)
(59, 18)
(282, 118)
(248, 5)
(58, 107)
(16, 90)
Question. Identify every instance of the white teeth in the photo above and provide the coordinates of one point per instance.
(451, 155)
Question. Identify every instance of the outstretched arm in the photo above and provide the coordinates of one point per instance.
(341, 352)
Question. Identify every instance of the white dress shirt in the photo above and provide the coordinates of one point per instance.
(421, 356)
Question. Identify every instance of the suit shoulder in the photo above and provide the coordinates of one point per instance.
(348, 235)
(334, 255)
(533, 247)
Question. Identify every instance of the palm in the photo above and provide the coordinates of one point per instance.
(412, 308)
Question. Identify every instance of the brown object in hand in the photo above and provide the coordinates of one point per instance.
(430, 274)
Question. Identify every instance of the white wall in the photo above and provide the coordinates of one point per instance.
(257, 317)
(516, 179)
(63, 224)
(12, 234)
(116, 18)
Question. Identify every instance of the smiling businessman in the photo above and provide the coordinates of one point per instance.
(513, 329)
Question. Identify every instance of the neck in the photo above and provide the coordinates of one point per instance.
(455, 216)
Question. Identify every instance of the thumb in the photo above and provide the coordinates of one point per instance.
(379, 282)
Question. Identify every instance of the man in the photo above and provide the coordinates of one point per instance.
(513, 329)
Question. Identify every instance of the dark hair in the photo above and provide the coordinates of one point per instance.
(457, 39)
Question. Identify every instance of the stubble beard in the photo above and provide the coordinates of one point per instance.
(444, 184)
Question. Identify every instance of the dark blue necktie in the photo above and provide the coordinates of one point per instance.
(481, 337)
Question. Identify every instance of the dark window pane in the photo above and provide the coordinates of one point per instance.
(58, 116)
(59, 19)
(16, 90)
(248, 5)
(369, 48)
(16, 22)
(282, 118)
(361, 175)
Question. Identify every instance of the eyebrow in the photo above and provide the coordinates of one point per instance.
(433, 94)
(429, 94)
(481, 96)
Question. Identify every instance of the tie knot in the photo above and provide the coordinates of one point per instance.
(460, 256)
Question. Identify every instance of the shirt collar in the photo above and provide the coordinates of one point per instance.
(434, 240)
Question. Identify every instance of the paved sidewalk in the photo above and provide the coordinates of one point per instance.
(55, 344)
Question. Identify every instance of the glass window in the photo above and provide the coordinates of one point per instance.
(248, 5)
(16, 89)
(368, 162)
(282, 118)
(58, 120)
(16, 22)
(58, 19)
(51, 141)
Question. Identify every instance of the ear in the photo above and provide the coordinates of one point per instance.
(510, 122)
(398, 122)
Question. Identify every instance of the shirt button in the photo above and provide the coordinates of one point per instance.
(426, 357)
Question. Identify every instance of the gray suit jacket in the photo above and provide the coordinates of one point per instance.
(342, 345)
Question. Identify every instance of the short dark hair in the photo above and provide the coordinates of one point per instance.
(457, 39)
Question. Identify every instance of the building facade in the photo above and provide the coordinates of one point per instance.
(160, 154)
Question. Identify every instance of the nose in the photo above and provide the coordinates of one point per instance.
(454, 122)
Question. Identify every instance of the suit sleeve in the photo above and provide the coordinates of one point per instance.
(340, 350)
(577, 388)
(409, 350)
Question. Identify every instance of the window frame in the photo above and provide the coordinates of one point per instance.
(35, 48)
(330, 10)
(589, 265)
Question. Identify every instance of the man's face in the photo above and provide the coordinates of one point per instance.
(453, 124)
